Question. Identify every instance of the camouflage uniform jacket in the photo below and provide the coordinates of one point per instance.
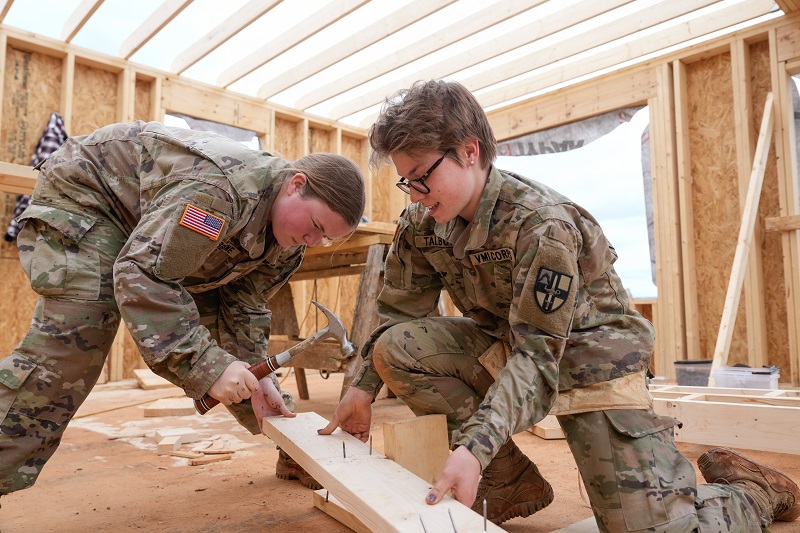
(147, 179)
(533, 269)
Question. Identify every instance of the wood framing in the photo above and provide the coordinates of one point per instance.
(754, 419)
(380, 493)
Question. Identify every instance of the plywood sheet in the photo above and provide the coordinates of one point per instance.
(95, 99)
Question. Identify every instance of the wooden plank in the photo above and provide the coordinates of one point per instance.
(188, 434)
(171, 407)
(786, 156)
(328, 504)
(737, 425)
(754, 290)
(169, 444)
(745, 238)
(162, 16)
(420, 444)
(80, 16)
(548, 428)
(208, 459)
(379, 492)
(316, 21)
(684, 389)
(685, 208)
(185, 455)
(785, 223)
(149, 380)
(230, 27)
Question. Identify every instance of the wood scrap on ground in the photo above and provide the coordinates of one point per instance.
(380, 493)
(171, 407)
(149, 380)
(548, 428)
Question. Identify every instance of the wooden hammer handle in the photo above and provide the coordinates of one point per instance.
(259, 370)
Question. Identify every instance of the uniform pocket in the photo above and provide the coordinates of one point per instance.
(14, 370)
(52, 256)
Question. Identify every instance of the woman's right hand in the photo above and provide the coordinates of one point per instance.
(353, 415)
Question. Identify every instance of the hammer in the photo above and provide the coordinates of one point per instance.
(334, 329)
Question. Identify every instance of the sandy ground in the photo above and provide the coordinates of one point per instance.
(107, 476)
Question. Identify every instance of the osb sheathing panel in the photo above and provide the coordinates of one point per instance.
(142, 102)
(286, 138)
(94, 99)
(715, 191)
(776, 315)
(32, 90)
(319, 140)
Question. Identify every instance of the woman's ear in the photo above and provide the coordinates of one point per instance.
(471, 151)
(296, 184)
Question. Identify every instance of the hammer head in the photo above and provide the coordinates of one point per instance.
(336, 329)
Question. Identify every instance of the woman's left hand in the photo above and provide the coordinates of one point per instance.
(460, 473)
(267, 401)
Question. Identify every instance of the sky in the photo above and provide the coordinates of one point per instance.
(605, 178)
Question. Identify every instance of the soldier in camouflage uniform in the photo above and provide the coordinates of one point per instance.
(547, 327)
(185, 235)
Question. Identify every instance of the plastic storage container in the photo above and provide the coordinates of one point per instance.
(693, 372)
(747, 378)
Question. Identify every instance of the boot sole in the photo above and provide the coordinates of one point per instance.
(526, 509)
(306, 481)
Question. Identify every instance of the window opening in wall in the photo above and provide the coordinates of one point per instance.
(246, 137)
(602, 164)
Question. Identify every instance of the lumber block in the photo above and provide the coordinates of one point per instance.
(169, 444)
(548, 428)
(187, 434)
(328, 504)
(170, 407)
(207, 459)
(185, 455)
(419, 444)
(149, 380)
(376, 490)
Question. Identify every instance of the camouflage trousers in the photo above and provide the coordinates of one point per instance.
(635, 477)
(50, 373)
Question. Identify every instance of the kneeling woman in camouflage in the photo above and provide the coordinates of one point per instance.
(547, 327)
(184, 234)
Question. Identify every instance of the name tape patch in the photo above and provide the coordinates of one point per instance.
(201, 221)
(426, 241)
(492, 256)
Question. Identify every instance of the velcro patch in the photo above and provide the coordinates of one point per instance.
(552, 289)
(202, 222)
(492, 256)
(428, 241)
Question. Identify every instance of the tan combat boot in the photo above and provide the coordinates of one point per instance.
(777, 497)
(288, 468)
(512, 486)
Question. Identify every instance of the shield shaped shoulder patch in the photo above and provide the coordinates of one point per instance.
(552, 289)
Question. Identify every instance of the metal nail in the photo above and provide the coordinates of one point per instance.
(452, 521)
(370, 444)
(326, 496)
(425, 529)
(344, 453)
(484, 514)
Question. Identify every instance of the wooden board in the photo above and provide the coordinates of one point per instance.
(420, 444)
(328, 504)
(378, 491)
(548, 428)
(171, 407)
(149, 380)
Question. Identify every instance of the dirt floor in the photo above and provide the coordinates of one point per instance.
(107, 476)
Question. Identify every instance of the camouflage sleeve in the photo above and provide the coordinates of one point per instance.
(544, 297)
(411, 289)
(160, 314)
(244, 321)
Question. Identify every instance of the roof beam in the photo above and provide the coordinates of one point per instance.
(712, 22)
(231, 26)
(539, 29)
(306, 28)
(591, 39)
(154, 24)
(446, 36)
(79, 17)
(788, 6)
(393, 22)
(5, 5)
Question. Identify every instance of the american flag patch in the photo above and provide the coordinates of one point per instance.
(198, 220)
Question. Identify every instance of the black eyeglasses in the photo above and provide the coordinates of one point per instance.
(419, 183)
